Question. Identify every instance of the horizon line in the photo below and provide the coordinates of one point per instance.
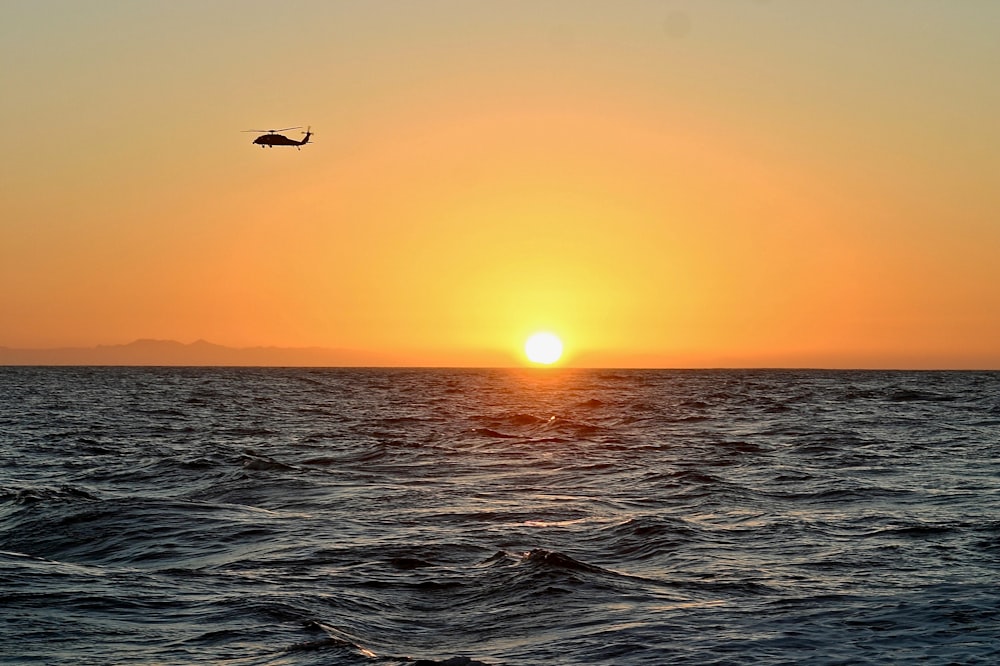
(201, 353)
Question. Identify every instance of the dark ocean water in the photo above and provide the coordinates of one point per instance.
(302, 516)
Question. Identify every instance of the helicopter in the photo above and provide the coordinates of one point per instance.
(271, 138)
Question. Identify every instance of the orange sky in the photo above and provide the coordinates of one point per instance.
(663, 184)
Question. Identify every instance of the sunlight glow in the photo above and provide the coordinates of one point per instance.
(543, 348)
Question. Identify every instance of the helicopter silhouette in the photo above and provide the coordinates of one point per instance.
(271, 138)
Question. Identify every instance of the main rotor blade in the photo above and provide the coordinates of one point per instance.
(273, 131)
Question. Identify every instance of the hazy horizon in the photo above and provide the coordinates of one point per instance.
(708, 183)
(204, 353)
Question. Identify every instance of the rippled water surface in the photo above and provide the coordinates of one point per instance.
(301, 516)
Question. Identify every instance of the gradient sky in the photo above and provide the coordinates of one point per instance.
(662, 183)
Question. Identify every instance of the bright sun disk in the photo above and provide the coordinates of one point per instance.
(544, 348)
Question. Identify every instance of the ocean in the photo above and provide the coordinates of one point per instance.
(293, 516)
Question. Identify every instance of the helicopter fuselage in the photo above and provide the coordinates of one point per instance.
(272, 139)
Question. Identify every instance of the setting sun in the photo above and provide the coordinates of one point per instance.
(544, 348)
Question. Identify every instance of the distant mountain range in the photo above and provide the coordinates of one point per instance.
(199, 353)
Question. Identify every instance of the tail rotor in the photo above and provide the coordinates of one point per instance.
(308, 135)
